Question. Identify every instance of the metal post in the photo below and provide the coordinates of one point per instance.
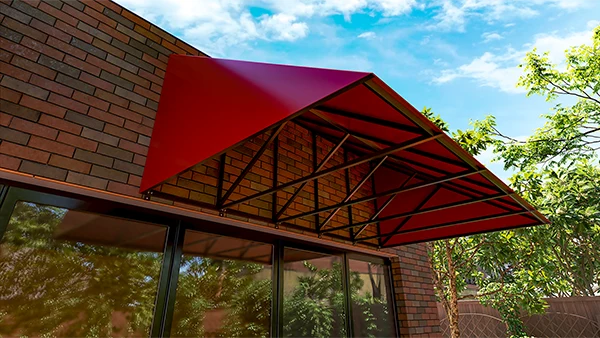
(277, 289)
(315, 153)
(167, 285)
(350, 221)
(221, 178)
(275, 178)
(347, 295)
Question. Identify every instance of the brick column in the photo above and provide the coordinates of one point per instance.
(415, 298)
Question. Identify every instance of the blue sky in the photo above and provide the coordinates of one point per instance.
(459, 57)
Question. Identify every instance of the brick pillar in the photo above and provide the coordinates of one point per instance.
(415, 297)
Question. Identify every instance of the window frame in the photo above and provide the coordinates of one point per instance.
(172, 254)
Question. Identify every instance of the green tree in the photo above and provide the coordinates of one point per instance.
(558, 172)
(60, 288)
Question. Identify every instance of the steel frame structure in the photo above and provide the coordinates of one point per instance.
(368, 149)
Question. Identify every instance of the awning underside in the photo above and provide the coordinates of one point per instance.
(420, 185)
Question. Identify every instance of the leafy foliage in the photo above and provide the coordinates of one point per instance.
(558, 173)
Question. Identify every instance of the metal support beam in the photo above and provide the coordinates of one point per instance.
(319, 167)
(388, 143)
(453, 186)
(253, 161)
(419, 207)
(350, 164)
(351, 193)
(373, 218)
(383, 194)
(429, 210)
(455, 223)
(451, 146)
(369, 119)
(369, 142)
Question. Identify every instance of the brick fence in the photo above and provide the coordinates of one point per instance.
(80, 83)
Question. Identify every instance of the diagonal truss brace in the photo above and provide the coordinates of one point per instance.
(317, 169)
(369, 157)
(251, 164)
(351, 193)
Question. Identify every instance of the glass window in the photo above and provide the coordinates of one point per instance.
(313, 301)
(66, 273)
(224, 288)
(372, 313)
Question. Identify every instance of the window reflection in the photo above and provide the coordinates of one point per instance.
(371, 307)
(66, 273)
(313, 303)
(224, 288)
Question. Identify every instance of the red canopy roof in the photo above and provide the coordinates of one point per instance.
(429, 187)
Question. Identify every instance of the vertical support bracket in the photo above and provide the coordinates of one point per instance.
(275, 179)
(221, 178)
(347, 174)
(315, 155)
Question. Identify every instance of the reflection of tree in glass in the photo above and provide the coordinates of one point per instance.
(370, 313)
(221, 298)
(315, 308)
(59, 288)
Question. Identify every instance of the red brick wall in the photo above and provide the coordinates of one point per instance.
(80, 83)
(416, 304)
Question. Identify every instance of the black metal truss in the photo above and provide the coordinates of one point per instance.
(368, 149)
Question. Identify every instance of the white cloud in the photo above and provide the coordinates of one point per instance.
(500, 70)
(454, 14)
(491, 36)
(450, 16)
(215, 26)
(367, 35)
(394, 7)
(283, 27)
(592, 24)
(569, 4)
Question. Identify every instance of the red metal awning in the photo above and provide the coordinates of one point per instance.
(426, 186)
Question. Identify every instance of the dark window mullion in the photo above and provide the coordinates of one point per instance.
(277, 299)
(391, 294)
(347, 295)
(165, 300)
(7, 205)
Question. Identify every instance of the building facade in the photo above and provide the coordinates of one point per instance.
(83, 251)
